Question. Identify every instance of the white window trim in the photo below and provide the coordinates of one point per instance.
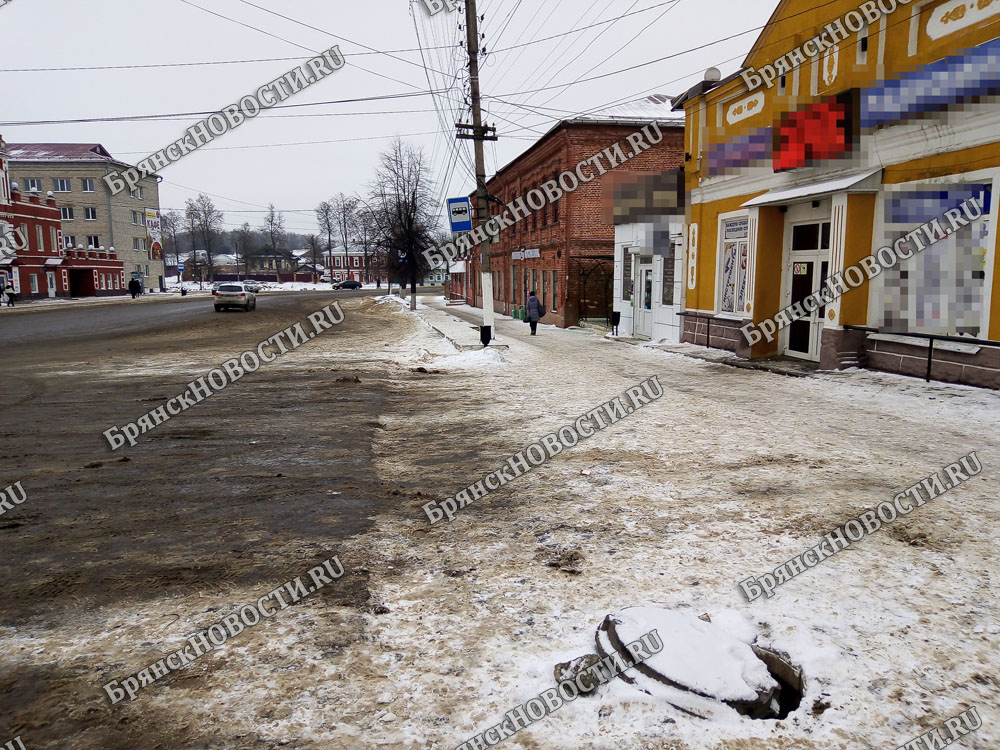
(720, 240)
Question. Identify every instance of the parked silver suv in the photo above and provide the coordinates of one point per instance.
(234, 294)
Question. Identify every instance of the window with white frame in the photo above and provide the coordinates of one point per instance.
(66, 213)
(139, 243)
(357, 261)
(90, 214)
(136, 193)
(137, 218)
(93, 241)
(733, 258)
(61, 186)
(69, 241)
(88, 185)
(147, 269)
(940, 289)
(33, 185)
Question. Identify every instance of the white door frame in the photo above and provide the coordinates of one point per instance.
(817, 258)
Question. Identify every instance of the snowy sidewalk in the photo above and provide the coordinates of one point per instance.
(727, 476)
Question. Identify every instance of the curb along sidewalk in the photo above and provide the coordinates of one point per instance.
(60, 303)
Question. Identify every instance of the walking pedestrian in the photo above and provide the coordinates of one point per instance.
(7, 296)
(535, 310)
(133, 287)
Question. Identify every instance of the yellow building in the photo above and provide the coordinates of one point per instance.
(850, 127)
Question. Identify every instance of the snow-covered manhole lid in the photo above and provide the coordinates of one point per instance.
(699, 666)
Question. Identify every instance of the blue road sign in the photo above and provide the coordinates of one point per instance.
(460, 214)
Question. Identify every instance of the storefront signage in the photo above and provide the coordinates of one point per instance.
(818, 132)
(535, 253)
(800, 269)
(154, 236)
(517, 255)
(933, 86)
(742, 151)
(736, 229)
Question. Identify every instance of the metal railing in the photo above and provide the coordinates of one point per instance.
(931, 338)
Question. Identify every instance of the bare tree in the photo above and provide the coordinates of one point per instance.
(192, 229)
(344, 209)
(404, 211)
(327, 223)
(367, 235)
(245, 241)
(315, 253)
(206, 220)
(172, 224)
(274, 235)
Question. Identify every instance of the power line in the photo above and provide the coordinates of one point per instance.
(301, 143)
(133, 118)
(288, 41)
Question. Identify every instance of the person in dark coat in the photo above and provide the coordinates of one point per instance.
(534, 310)
(133, 287)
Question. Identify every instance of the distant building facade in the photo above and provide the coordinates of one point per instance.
(91, 217)
(565, 251)
(35, 264)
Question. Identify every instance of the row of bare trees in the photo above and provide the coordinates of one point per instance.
(394, 223)
(390, 227)
(198, 235)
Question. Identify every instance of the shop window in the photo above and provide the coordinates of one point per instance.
(33, 281)
(542, 291)
(941, 289)
(626, 275)
(555, 291)
(669, 262)
(733, 265)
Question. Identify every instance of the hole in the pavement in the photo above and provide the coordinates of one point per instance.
(676, 657)
(788, 676)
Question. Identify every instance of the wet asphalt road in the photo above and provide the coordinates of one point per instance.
(26, 325)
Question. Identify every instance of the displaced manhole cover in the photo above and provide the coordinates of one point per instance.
(700, 666)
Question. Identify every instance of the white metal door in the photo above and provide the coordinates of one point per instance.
(644, 304)
(50, 277)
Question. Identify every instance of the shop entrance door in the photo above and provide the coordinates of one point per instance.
(643, 321)
(808, 267)
(50, 277)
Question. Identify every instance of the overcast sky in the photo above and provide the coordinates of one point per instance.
(297, 156)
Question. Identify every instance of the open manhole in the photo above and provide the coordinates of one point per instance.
(699, 667)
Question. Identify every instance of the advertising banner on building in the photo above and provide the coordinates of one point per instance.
(154, 237)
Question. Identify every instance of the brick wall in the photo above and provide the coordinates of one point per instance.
(575, 233)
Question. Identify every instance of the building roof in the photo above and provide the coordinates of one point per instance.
(652, 107)
(62, 153)
(58, 152)
(637, 113)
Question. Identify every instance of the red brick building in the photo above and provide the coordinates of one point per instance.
(32, 259)
(572, 266)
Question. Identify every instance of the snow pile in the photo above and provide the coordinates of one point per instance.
(699, 655)
(472, 359)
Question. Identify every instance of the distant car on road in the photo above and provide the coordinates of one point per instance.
(253, 286)
(234, 294)
(348, 284)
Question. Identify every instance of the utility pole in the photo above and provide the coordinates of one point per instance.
(478, 136)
